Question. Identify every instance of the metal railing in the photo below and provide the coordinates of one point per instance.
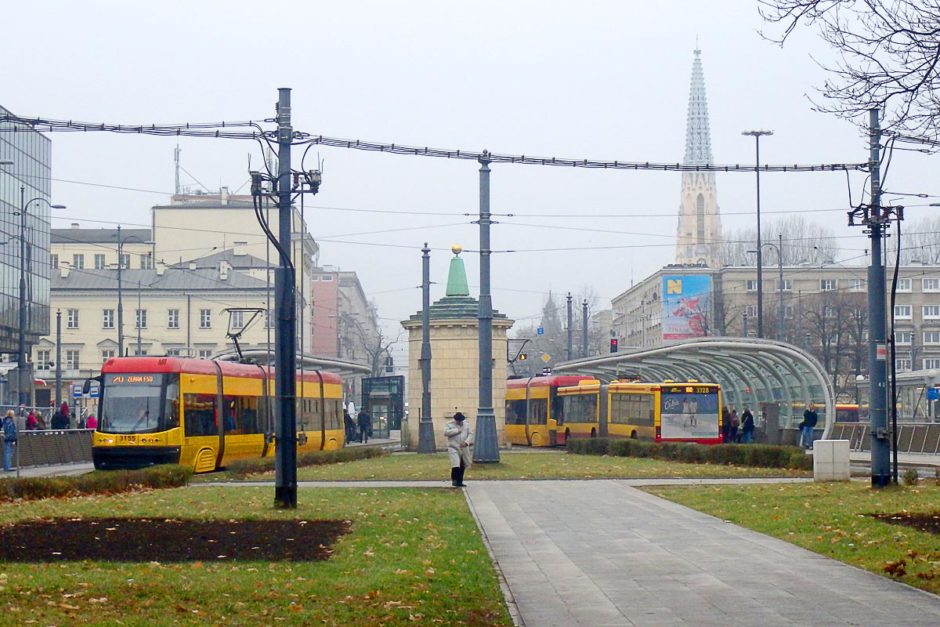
(912, 438)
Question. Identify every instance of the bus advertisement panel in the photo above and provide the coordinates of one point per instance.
(686, 306)
(689, 412)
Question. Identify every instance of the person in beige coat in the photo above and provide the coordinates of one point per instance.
(459, 439)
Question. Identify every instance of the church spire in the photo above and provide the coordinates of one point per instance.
(698, 234)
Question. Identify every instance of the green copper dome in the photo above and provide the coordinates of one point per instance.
(457, 302)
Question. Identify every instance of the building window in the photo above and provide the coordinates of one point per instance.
(902, 365)
(125, 261)
(902, 312)
(829, 312)
(42, 360)
(71, 318)
(857, 285)
(238, 319)
(54, 260)
(146, 261)
(141, 322)
(903, 338)
(788, 311)
(107, 354)
(904, 285)
(99, 262)
(140, 353)
(172, 352)
(78, 262)
(107, 318)
(931, 337)
(827, 285)
(751, 311)
(750, 285)
(71, 360)
(930, 285)
(173, 318)
(787, 285)
(205, 353)
(931, 312)
(205, 318)
(326, 277)
(931, 364)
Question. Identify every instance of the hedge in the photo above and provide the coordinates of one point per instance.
(757, 455)
(245, 467)
(101, 482)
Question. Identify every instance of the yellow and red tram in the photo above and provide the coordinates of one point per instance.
(205, 414)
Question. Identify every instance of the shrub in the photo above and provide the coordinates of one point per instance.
(759, 455)
(245, 467)
(910, 477)
(587, 446)
(99, 482)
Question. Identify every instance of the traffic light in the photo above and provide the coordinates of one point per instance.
(613, 345)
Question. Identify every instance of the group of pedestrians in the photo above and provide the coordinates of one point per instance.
(737, 429)
(359, 429)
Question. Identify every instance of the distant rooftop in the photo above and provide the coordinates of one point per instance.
(78, 235)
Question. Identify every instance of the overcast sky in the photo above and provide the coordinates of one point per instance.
(603, 80)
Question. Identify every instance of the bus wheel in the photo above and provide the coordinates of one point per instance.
(633, 435)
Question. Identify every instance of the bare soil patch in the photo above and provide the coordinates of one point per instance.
(929, 522)
(168, 540)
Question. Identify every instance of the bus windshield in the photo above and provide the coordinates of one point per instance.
(689, 412)
(133, 403)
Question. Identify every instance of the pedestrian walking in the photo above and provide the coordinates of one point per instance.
(747, 426)
(92, 422)
(735, 424)
(459, 439)
(365, 426)
(810, 418)
(350, 426)
(9, 440)
(725, 423)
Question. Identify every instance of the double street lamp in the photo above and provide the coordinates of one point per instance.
(780, 310)
(760, 276)
(120, 290)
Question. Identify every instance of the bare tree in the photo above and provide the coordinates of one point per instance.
(803, 242)
(920, 242)
(887, 57)
(370, 339)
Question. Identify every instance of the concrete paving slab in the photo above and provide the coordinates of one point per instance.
(614, 555)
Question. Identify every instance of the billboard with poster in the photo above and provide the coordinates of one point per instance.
(687, 306)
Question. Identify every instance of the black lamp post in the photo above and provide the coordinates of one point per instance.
(760, 274)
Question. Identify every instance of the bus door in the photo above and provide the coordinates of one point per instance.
(602, 415)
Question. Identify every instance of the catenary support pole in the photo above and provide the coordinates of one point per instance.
(486, 442)
(426, 420)
(58, 357)
(878, 420)
(570, 354)
(285, 482)
(21, 389)
(781, 331)
(584, 328)
(120, 303)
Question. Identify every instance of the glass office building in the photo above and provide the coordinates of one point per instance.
(28, 178)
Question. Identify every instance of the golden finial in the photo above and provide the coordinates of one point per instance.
(456, 249)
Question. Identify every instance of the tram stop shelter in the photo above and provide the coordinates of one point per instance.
(776, 378)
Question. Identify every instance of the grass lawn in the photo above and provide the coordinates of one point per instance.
(832, 519)
(525, 465)
(411, 556)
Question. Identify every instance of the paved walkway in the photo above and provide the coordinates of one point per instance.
(604, 553)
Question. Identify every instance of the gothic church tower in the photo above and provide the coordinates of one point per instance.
(699, 232)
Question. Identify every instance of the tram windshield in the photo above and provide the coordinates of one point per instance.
(139, 403)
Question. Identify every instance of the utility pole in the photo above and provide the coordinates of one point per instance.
(570, 329)
(120, 303)
(426, 421)
(875, 219)
(486, 443)
(584, 328)
(781, 335)
(21, 394)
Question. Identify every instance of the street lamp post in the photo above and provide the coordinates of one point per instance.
(21, 389)
(760, 276)
(120, 289)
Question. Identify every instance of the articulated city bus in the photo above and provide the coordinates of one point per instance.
(582, 405)
(665, 412)
(203, 413)
(534, 410)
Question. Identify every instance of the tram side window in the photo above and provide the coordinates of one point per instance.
(172, 409)
(317, 413)
(538, 411)
(558, 407)
(335, 413)
(515, 412)
(247, 415)
(200, 415)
